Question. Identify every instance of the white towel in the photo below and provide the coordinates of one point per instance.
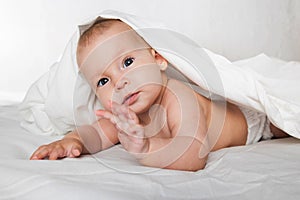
(62, 99)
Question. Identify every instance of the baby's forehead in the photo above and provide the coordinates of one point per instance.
(109, 48)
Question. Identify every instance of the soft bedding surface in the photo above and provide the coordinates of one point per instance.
(266, 170)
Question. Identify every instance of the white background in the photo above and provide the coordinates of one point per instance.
(33, 33)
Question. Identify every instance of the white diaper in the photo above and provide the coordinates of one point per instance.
(258, 126)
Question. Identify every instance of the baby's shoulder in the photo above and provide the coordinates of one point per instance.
(175, 83)
(170, 99)
(183, 105)
(180, 96)
(178, 88)
(172, 92)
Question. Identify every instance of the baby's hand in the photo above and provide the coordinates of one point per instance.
(131, 134)
(67, 147)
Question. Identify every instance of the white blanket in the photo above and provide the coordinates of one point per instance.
(265, 170)
(60, 98)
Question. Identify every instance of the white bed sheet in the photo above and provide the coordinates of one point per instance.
(267, 170)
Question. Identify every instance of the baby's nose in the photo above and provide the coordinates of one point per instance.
(122, 83)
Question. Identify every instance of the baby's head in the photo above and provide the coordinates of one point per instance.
(101, 29)
(120, 66)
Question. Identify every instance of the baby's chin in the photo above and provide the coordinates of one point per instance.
(138, 108)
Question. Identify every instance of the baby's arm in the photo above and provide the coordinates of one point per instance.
(179, 152)
(85, 139)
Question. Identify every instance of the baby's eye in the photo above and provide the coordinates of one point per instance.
(102, 82)
(127, 62)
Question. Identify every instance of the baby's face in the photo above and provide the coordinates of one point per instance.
(121, 67)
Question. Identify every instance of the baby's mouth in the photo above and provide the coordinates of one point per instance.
(131, 98)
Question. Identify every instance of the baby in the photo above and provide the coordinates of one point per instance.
(163, 122)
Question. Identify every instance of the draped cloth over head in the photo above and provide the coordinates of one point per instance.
(61, 99)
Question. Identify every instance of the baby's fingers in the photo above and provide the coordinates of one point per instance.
(40, 153)
(75, 151)
(103, 113)
(123, 126)
(125, 114)
(130, 115)
(57, 153)
(107, 115)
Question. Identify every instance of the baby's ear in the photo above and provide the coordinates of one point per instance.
(161, 61)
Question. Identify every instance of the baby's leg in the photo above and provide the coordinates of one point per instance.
(278, 133)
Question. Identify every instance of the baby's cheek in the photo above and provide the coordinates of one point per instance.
(145, 74)
(103, 100)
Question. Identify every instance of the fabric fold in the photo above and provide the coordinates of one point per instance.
(261, 83)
